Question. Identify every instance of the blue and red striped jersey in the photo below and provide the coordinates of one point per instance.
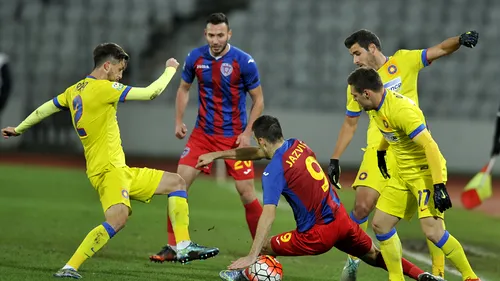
(223, 83)
(295, 173)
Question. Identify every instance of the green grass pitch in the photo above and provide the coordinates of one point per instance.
(46, 212)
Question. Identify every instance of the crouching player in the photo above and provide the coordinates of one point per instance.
(322, 221)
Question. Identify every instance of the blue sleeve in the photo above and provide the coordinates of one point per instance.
(188, 68)
(249, 73)
(273, 183)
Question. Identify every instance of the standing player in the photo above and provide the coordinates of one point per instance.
(322, 221)
(93, 104)
(418, 184)
(399, 73)
(225, 74)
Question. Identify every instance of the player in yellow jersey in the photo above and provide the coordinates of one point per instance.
(399, 72)
(93, 103)
(418, 180)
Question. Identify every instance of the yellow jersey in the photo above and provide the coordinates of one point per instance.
(400, 74)
(93, 104)
(399, 120)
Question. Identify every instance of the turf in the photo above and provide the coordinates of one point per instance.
(46, 212)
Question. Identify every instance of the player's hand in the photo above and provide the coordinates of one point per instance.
(442, 200)
(205, 159)
(334, 172)
(180, 130)
(9, 132)
(243, 140)
(381, 164)
(469, 39)
(171, 62)
(242, 263)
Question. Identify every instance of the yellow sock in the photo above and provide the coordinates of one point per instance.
(178, 212)
(455, 253)
(392, 252)
(437, 257)
(93, 242)
(363, 224)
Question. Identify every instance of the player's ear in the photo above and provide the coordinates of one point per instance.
(106, 66)
(366, 94)
(229, 34)
(372, 48)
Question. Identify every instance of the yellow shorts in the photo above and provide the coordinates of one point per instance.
(401, 198)
(369, 174)
(119, 185)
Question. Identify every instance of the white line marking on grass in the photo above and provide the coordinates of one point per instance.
(414, 255)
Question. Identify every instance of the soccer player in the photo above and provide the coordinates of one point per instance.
(399, 73)
(322, 221)
(225, 74)
(93, 103)
(418, 182)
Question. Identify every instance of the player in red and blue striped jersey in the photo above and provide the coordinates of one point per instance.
(321, 219)
(225, 75)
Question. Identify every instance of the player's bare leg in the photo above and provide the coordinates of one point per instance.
(116, 218)
(253, 208)
(174, 186)
(364, 203)
(435, 232)
(238, 275)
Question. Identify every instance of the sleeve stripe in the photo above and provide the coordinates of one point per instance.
(353, 113)
(57, 104)
(417, 131)
(124, 94)
(425, 62)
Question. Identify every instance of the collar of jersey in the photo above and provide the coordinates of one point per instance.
(219, 57)
(382, 101)
(91, 77)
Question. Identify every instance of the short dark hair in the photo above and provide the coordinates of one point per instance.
(365, 79)
(268, 128)
(109, 51)
(364, 38)
(218, 18)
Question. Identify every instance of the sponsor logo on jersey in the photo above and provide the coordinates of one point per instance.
(394, 84)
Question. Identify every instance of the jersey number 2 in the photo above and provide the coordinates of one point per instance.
(317, 175)
(78, 108)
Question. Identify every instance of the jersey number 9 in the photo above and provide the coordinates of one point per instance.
(78, 108)
(317, 175)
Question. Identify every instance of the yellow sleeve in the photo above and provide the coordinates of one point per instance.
(45, 110)
(61, 102)
(352, 107)
(153, 90)
(416, 59)
(408, 120)
(113, 92)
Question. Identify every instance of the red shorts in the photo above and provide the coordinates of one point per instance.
(200, 143)
(342, 233)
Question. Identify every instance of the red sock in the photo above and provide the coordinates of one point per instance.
(171, 235)
(253, 210)
(409, 269)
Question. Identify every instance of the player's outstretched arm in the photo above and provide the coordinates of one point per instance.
(156, 88)
(468, 39)
(242, 153)
(263, 228)
(42, 112)
(345, 135)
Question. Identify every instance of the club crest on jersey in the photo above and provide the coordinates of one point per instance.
(185, 152)
(226, 69)
(118, 86)
(392, 69)
(363, 176)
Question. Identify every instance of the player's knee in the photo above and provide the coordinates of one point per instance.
(178, 182)
(432, 229)
(117, 216)
(379, 227)
(362, 209)
(246, 191)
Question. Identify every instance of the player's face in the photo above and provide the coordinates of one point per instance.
(362, 57)
(363, 99)
(264, 146)
(217, 36)
(115, 71)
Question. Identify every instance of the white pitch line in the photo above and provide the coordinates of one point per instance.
(414, 255)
